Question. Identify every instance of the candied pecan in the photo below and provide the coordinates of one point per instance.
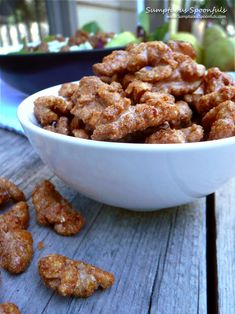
(99, 39)
(135, 118)
(136, 89)
(112, 95)
(127, 79)
(87, 104)
(222, 128)
(49, 108)
(154, 74)
(9, 308)
(79, 38)
(185, 79)
(16, 249)
(4, 195)
(115, 101)
(149, 54)
(8, 190)
(75, 123)
(208, 101)
(72, 278)
(134, 58)
(81, 133)
(16, 244)
(16, 217)
(91, 107)
(52, 209)
(68, 89)
(114, 63)
(184, 116)
(60, 126)
(220, 120)
(215, 79)
(157, 98)
(65, 49)
(190, 134)
(182, 47)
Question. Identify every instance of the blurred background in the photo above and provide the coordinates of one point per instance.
(35, 19)
(95, 27)
(82, 32)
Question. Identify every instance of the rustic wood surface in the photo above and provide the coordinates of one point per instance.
(225, 214)
(158, 258)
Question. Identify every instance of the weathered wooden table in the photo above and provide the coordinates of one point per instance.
(178, 260)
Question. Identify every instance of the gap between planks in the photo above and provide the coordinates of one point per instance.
(211, 255)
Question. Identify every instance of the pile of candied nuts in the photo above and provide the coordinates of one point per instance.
(149, 93)
(66, 276)
(98, 40)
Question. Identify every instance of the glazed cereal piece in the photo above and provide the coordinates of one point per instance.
(190, 134)
(9, 308)
(72, 278)
(60, 126)
(17, 217)
(16, 249)
(215, 79)
(68, 89)
(8, 190)
(212, 100)
(182, 47)
(52, 209)
(48, 109)
(135, 118)
(220, 121)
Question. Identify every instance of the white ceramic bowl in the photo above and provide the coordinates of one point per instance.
(134, 176)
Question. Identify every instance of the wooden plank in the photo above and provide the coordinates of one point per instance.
(158, 258)
(225, 219)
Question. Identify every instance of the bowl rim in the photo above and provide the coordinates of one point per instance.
(59, 53)
(25, 110)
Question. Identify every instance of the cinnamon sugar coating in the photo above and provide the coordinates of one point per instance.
(72, 278)
(16, 243)
(52, 209)
(136, 90)
(9, 308)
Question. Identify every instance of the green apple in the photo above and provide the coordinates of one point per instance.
(221, 53)
(212, 34)
(190, 38)
(121, 39)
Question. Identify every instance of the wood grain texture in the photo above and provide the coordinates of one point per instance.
(158, 258)
(225, 214)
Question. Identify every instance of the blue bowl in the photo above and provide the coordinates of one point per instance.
(33, 72)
